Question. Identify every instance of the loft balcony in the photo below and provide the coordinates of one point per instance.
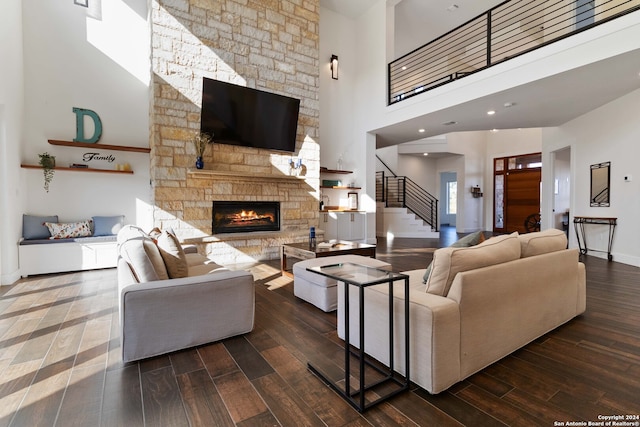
(504, 32)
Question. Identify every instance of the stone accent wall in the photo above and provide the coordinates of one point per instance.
(270, 45)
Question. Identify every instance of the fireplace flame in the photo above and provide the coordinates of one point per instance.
(245, 216)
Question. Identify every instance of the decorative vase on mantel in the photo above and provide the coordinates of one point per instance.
(200, 142)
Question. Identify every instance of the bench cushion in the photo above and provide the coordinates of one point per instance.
(86, 240)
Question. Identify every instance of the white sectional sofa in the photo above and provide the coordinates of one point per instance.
(480, 304)
(173, 298)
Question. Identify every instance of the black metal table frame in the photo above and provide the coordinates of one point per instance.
(578, 224)
(390, 374)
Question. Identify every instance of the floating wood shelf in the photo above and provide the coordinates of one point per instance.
(325, 170)
(61, 168)
(341, 187)
(100, 146)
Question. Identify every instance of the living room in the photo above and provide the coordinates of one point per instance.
(71, 56)
(104, 65)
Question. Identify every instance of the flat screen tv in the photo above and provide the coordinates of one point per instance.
(240, 115)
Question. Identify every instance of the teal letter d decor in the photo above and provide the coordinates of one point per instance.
(97, 133)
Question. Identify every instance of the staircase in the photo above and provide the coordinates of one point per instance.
(406, 209)
(400, 222)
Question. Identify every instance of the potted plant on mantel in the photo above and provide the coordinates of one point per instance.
(48, 163)
(201, 141)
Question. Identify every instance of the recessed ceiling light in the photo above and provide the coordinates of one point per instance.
(491, 112)
(421, 130)
(425, 154)
(452, 122)
(494, 130)
(404, 67)
(509, 104)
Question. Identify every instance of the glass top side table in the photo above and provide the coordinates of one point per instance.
(362, 276)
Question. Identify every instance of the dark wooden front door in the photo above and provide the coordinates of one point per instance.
(516, 192)
(523, 198)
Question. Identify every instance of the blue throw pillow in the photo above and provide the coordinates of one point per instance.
(33, 226)
(107, 225)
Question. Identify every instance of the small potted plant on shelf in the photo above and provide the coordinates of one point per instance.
(48, 163)
(201, 141)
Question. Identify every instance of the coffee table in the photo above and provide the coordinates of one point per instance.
(361, 277)
(322, 249)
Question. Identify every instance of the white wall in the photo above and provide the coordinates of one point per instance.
(561, 198)
(336, 130)
(342, 117)
(11, 91)
(474, 146)
(607, 134)
(96, 59)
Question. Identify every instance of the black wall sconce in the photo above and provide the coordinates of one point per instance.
(83, 3)
(334, 67)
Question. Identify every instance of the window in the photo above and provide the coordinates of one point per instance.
(452, 197)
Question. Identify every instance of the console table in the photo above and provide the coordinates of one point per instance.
(580, 221)
(362, 276)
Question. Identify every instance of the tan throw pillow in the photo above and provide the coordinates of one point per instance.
(466, 241)
(173, 255)
(447, 262)
(541, 242)
(145, 260)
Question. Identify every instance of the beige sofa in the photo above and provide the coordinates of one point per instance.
(172, 298)
(480, 304)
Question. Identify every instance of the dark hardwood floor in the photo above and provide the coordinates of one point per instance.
(60, 362)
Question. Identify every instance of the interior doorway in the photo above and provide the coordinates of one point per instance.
(449, 198)
(561, 200)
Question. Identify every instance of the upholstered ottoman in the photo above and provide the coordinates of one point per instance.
(322, 291)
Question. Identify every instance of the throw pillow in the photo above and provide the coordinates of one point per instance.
(542, 242)
(173, 255)
(447, 262)
(107, 225)
(33, 226)
(130, 232)
(69, 230)
(143, 256)
(465, 242)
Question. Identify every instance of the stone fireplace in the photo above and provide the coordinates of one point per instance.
(271, 46)
(245, 217)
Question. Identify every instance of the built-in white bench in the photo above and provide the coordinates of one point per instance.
(45, 256)
(39, 254)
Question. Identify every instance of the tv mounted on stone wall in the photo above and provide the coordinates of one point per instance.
(239, 115)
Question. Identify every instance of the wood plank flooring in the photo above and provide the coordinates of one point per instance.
(60, 363)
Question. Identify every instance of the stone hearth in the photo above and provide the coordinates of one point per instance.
(270, 46)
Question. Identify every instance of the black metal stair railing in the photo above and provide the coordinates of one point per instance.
(400, 191)
(508, 30)
(403, 192)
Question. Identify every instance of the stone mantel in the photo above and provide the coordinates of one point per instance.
(235, 175)
(286, 236)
